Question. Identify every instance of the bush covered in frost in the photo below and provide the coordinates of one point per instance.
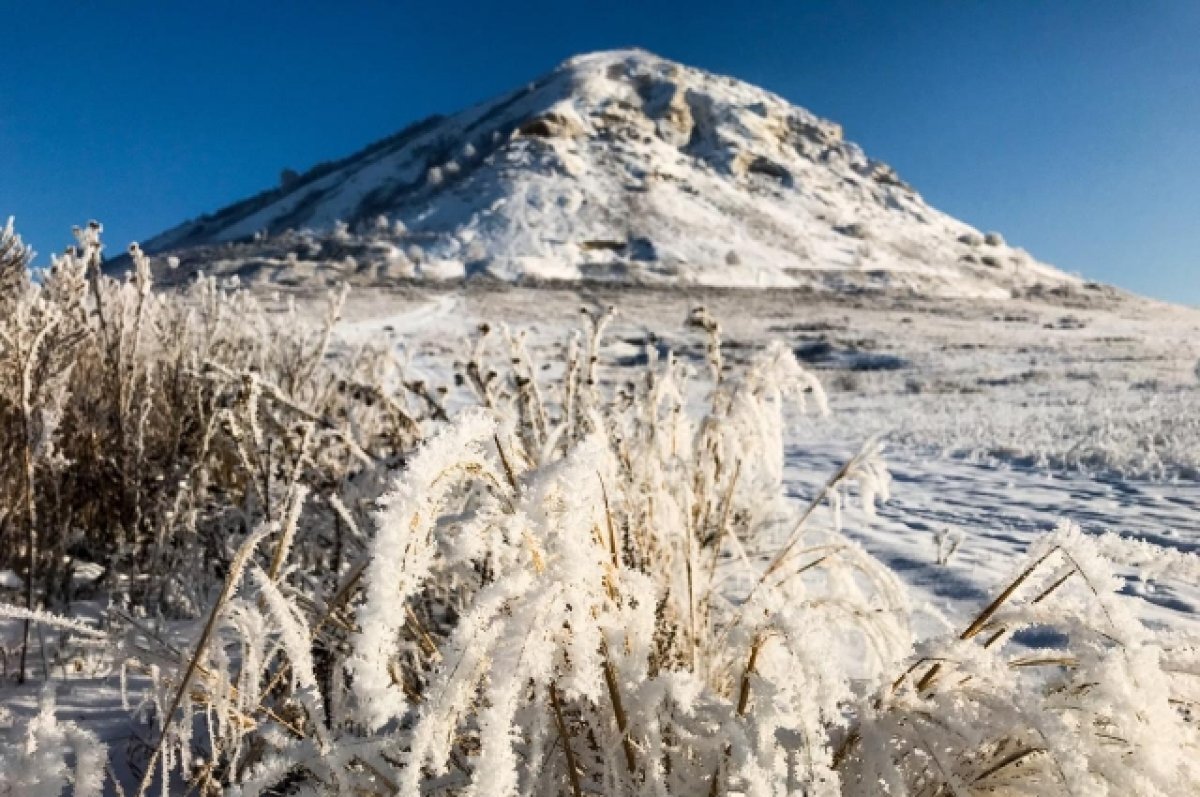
(594, 584)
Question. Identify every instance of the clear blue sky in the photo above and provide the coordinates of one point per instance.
(1072, 126)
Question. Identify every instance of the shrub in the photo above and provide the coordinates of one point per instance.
(139, 431)
(581, 585)
(572, 591)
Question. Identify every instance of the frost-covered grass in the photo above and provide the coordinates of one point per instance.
(1142, 433)
(564, 581)
(1092, 384)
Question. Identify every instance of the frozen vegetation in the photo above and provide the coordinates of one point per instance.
(475, 542)
(825, 492)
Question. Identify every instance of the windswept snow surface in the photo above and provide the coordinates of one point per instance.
(616, 167)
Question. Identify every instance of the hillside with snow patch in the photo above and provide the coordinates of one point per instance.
(618, 167)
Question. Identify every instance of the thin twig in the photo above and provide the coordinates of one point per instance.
(235, 572)
(572, 767)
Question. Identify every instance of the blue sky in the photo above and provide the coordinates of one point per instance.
(1070, 126)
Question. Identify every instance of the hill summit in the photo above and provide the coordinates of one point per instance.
(617, 166)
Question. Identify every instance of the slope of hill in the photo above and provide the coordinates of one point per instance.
(617, 166)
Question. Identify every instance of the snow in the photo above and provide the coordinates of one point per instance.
(1020, 412)
(978, 451)
(622, 166)
(1105, 432)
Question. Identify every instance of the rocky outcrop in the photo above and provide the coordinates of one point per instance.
(558, 122)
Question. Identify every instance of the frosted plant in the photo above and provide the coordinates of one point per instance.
(1101, 706)
(947, 542)
(140, 430)
(402, 558)
(594, 583)
(39, 335)
(551, 583)
(586, 581)
(15, 258)
(42, 756)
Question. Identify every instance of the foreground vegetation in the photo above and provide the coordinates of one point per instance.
(329, 583)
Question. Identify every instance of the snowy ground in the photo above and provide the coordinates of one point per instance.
(1001, 419)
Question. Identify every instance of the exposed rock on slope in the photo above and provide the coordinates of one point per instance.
(615, 166)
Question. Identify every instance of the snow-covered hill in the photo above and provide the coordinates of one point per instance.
(617, 166)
